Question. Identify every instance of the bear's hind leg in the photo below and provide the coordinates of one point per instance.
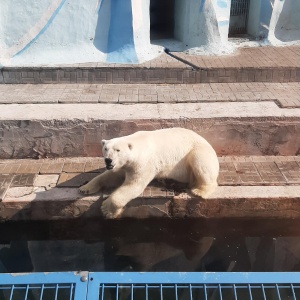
(204, 190)
(205, 171)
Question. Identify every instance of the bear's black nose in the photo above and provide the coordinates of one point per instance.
(108, 161)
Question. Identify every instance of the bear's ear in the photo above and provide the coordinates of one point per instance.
(103, 142)
(130, 146)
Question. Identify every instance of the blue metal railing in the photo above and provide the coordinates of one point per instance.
(150, 286)
(48, 286)
(221, 286)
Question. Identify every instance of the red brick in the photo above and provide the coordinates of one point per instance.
(9, 168)
(74, 167)
(229, 178)
(75, 179)
(5, 181)
(29, 168)
(95, 167)
(51, 168)
(20, 180)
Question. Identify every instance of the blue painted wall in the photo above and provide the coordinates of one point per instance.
(120, 38)
(47, 32)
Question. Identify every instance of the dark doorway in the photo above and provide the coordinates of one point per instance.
(239, 12)
(161, 19)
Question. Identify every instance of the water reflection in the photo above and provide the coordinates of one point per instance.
(148, 246)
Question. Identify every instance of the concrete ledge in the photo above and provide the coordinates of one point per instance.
(261, 64)
(140, 74)
(66, 130)
(286, 95)
(249, 187)
(282, 202)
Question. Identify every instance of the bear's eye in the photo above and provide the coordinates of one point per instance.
(105, 149)
(118, 150)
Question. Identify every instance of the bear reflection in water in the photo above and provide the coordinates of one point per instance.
(179, 245)
(256, 254)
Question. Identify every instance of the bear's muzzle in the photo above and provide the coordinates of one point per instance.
(108, 163)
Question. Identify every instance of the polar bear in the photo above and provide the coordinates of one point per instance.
(133, 161)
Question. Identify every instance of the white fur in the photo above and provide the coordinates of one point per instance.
(137, 159)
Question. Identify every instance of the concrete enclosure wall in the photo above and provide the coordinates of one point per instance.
(203, 23)
(284, 25)
(50, 32)
(57, 138)
(288, 25)
(254, 18)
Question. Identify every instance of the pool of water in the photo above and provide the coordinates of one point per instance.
(150, 245)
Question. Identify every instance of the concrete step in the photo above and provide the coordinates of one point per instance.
(264, 64)
(286, 95)
(66, 130)
(70, 120)
(250, 187)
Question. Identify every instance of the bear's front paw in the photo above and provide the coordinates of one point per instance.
(89, 189)
(109, 210)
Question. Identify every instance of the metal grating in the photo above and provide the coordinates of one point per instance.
(239, 11)
(199, 292)
(195, 286)
(150, 286)
(32, 291)
(41, 286)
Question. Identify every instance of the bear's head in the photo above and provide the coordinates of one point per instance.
(117, 153)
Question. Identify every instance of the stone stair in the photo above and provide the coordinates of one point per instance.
(40, 121)
(50, 136)
(249, 187)
(258, 64)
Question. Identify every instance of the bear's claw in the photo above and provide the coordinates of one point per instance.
(82, 192)
(88, 190)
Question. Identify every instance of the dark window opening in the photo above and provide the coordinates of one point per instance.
(161, 19)
(239, 12)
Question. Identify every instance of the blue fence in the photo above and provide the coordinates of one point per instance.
(150, 286)
(43, 286)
